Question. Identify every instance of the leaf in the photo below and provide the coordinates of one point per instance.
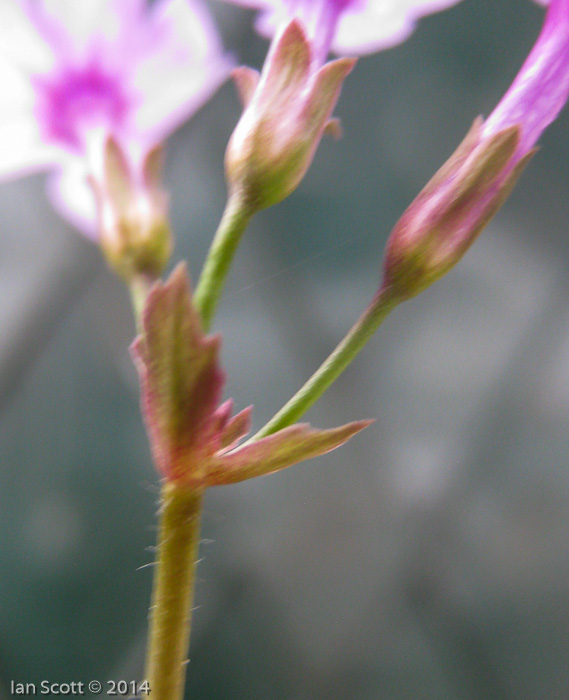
(278, 451)
(181, 380)
(193, 439)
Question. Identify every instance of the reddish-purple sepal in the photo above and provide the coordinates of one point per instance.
(232, 429)
(246, 80)
(278, 451)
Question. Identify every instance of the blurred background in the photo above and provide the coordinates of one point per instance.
(426, 559)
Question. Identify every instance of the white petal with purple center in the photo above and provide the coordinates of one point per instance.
(77, 68)
(188, 38)
(21, 45)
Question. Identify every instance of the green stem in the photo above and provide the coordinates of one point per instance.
(139, 286)
(334, 365)
(235, 218)
(172, 597)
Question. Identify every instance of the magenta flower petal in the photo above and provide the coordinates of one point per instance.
(191, 55)
(541, 87)
(374, 25)
(278, 451)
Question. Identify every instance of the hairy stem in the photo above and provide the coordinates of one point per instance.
(172, 596)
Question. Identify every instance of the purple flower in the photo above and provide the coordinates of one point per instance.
(447, 216)
(345, 27)
(74, 72)
(289, 106)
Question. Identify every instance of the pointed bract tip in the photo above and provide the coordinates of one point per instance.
(334, 129)
(246, 80)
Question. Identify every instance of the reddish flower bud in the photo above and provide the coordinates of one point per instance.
(134, 232)
(447, 216)
(449, 213)
(286, 111)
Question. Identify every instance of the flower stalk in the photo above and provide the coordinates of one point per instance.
(287, 109)
(195, 444)
(238, 212)
(172, 596)
(139, 287)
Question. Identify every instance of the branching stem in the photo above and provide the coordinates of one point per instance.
(334, 365)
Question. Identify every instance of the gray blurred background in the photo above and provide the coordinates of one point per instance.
(429, 557)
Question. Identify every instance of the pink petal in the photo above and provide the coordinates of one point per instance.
(363, 26)
(541, 87)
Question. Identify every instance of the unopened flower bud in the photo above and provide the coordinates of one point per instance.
(287, 109)
(449, 213)
(447, 216)
(134, 231)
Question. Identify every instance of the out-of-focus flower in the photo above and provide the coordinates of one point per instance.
(133, 226)
(73, 72)
(345, 27)
(450, 212)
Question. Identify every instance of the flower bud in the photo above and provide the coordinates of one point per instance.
(287, 109)
(134, 231)
(449, 213)
(447, 216)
